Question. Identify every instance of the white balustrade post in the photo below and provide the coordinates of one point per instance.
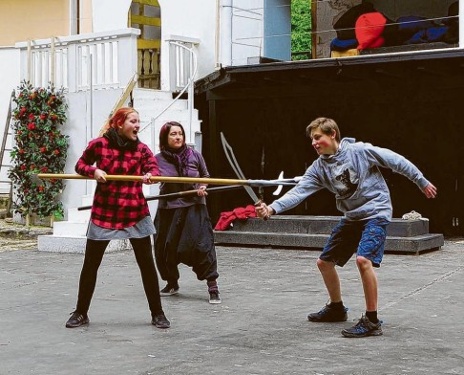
(72, 67)
(127, 56)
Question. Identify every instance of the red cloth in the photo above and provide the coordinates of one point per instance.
(228, 217)
(368, 29)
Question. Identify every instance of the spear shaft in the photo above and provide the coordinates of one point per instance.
(155, 179)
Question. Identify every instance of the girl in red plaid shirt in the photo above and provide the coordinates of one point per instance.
(119, 211)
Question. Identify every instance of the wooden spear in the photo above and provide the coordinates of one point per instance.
(155, 179)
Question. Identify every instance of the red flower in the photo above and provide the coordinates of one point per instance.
(23, 167)
(43, 116)
(56, 152)
(44, 169)
(41, 188)
(31, 126)
(43, 150)
(31, 116)
(21, 151)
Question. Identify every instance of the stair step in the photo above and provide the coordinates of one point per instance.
(141, 93)
(323, 225)
(150, 104)
(74, 244)
(312, 232)
(65, 228)
(393, 244)
(178, 115)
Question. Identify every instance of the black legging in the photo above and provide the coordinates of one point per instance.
(93, 256)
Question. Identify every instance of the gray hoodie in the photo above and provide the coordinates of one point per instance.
(353, 175)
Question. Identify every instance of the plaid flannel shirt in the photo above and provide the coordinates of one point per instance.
(117, 204)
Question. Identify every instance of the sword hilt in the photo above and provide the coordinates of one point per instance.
(258, 203)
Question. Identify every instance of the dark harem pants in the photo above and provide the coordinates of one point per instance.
(185, 235)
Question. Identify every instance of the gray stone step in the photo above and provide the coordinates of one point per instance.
(401, 245)
(312, 232)
(323, 225)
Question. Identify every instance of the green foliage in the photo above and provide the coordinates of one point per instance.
(40, 147)
(301, 29)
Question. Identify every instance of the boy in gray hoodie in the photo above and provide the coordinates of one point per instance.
(350, 170)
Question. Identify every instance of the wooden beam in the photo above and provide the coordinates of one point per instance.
(148, 44)
(146, 21)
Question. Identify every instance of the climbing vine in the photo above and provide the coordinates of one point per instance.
(39, 147)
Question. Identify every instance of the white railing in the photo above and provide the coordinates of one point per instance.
(183, 65)
(81, 62)
(183, 70)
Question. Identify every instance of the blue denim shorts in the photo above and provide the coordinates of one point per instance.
(365, 238)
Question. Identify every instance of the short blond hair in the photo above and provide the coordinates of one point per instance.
(327, 126)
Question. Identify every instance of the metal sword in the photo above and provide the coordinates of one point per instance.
(229, 152)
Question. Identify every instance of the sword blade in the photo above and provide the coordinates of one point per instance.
(229, 152)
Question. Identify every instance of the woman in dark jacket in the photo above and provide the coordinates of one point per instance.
(183, 227)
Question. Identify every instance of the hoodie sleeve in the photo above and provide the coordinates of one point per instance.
(309, 184)
(385, 158)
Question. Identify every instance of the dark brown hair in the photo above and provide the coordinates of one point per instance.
(164, 134)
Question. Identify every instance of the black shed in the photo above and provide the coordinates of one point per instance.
(409, 102)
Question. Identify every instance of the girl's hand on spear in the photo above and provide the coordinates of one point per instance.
(99, 175)
(146, 179)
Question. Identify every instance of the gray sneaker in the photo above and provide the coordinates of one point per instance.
(364, 328)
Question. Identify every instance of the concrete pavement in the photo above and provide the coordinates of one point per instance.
(260, 328)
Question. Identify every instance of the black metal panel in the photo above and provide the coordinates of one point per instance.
(412, 106)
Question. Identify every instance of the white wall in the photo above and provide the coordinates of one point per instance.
(246, 31)
(196, 20)
(110, 14)
(9, 76)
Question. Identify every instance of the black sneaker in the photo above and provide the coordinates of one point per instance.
(364, 328)
(77, 320)
(169, 290)
(329, 314)
(214, 297)
(160, 321)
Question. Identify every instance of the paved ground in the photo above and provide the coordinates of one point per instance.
(260, 328)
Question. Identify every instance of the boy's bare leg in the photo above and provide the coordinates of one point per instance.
(369, 281)
(331, 279)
